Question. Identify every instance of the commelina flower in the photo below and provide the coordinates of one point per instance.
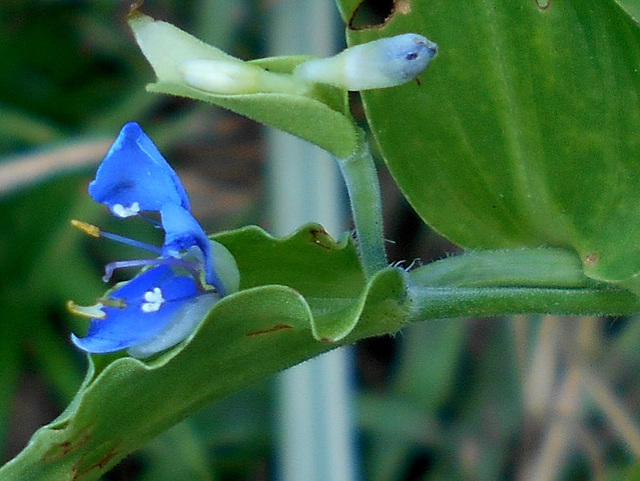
(162, 305)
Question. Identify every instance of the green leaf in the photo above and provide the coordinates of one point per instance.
(318, 114)
(631, 7)
(348, 8)
(327, 273)
(247, 336)
(523, 132)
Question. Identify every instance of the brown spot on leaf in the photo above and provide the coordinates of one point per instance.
(60, 450)
(79, 472)
(321, 238)
(543, 4)
(403, 7)
(135, 6)
(106, 459)
(276, 328)
(591, 259)
(326, 340)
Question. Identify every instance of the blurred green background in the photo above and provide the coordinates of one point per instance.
(477, 399)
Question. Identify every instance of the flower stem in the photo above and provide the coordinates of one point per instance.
(512, 281)
(442, 302)
(359, 173)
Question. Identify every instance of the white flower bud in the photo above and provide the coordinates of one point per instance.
(382, 63)
(235, 77)
(219, 76)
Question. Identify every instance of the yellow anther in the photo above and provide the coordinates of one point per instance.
(116, 302)
(88, 229)
(91, 312)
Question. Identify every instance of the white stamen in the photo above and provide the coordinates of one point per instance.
(182, 325)
(124, 211)
(154, 300)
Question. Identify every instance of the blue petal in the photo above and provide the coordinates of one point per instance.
(405, 56)
(141, 319)
(179, 329)
(135, 177)
(182, 231)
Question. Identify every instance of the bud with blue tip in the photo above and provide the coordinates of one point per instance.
(379, 64)
(386, 62)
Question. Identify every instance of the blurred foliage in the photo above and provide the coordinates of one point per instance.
(468, 399)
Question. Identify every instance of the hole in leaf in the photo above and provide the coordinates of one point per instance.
(372, 14)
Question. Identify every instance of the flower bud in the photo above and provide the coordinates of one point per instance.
(382, 63)
(235, 77)
(220, 76)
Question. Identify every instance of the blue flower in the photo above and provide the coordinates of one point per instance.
(148, 314)
(134, 176)
(162, 305)
(182, 232)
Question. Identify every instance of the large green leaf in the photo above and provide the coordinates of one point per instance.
(266, 327)
(524, 131)
(632, 7)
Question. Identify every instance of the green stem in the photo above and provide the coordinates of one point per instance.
(361, 178)
(524, 267)
(517, 281)
(441, 302)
